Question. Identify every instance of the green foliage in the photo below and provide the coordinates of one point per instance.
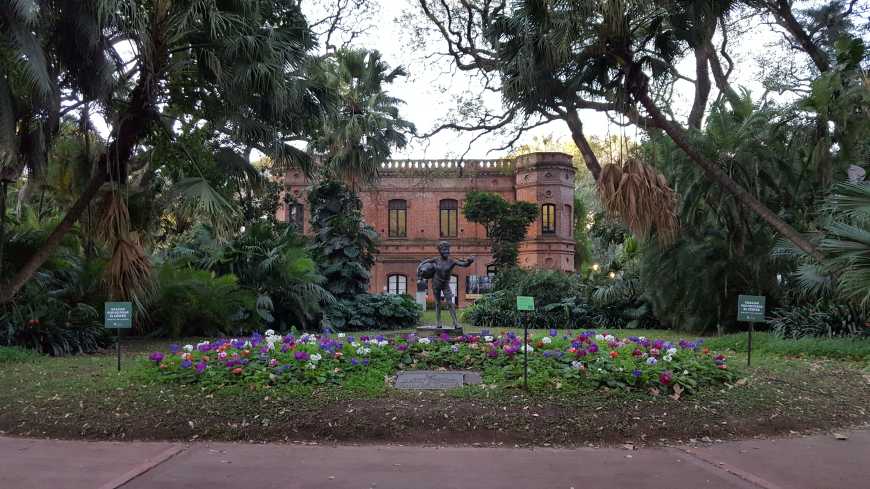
(763, 343)
(819, 320)
(14, 354)
(191, 302)
(373, 312)
(52, 326)
(505, 222)
(343, 245)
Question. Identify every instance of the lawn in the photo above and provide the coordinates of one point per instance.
(791, 387)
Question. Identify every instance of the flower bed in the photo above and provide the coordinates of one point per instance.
(589, 357)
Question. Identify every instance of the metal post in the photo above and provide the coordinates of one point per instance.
(118, 346)
(525, 353)
(749, 346)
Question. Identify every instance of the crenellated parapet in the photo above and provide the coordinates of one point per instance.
(446, 167)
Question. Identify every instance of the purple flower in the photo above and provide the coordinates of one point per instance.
(204, 347)
(173, 348)
(200, 367)
(402, 347)
(363, 338)
(156, 357)
(237, 344)
(365, 361)
(593, 348)
(285, 347)
(636, 373)
(659, 344)
(379, 337)
(492, 353)
(553, 332)
(302, 356)
(354, 362)
(186, 364)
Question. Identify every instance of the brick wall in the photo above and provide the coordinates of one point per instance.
(423, 184)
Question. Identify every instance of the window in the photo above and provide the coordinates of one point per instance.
(398, 224)
(478, 284)
(448, 214)
(397, 284)
(548, 219)
(296, 215)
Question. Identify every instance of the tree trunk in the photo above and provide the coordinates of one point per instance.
(54, 239)
(717, 175)
(782, 11)
(702, 88)
(579, 138)
(721, 79)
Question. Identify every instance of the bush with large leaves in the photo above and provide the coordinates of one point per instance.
(373, 312)
(343, 244)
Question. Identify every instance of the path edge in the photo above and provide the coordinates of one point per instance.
(145, 466)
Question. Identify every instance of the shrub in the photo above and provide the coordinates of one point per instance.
(373, 312)
(191, 302)
(819, 319)
(51, 326)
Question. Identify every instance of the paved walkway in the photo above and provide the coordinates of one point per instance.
(819, 462)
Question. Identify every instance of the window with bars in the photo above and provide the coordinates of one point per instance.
(397, 284)
(548, 219)
(296, 215)
(398, 219)
(448, 217)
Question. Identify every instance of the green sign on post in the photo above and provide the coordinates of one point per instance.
(750, 308)
(118, 316)
(525, 303)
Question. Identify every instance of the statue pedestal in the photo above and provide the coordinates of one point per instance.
(430, 330)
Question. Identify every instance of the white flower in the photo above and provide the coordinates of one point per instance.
(383, 343)
(363, 351)
(599, 337)
(373, 341)
(247, 344)
(609, 338)
(685, 372)
(270, 332)
(487, 339)
(523, 348)
(202, 343)
(315, 357)
(546, 340)
(188, 348)
(641, 338)
(312, 340)
(354, 344)
(341, 335)
(667, 358)
(576, 364)
(672, 351)
(425, 341)
(310, 365)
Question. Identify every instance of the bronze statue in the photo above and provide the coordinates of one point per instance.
(438, 269)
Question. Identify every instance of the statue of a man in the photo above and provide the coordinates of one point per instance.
(438, 269)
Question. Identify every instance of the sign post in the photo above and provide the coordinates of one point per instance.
(118, 315)
(525, 303)
(750, 308)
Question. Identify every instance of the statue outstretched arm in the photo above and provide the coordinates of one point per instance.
(466, 262)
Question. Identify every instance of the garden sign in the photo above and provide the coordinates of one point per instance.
(750, 309)
(118, 315)
(525, 303)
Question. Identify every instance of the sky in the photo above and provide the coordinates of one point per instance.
(429, 89)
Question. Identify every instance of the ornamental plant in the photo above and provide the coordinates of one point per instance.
(587, 358)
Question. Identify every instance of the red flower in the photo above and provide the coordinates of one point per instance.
(614, 354)
(722, 366)
(237, 370)
(665, 377)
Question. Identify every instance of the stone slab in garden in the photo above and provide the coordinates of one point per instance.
(434, 380)
(432, 330)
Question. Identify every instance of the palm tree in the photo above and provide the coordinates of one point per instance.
(367, 125)
(236, 64)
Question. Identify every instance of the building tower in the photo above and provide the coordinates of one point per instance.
(547, 180)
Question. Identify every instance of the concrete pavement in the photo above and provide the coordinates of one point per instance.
(818, 462)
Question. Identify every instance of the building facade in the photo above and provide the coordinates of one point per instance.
(417, 203)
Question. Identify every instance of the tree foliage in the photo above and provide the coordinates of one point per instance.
(505, 223)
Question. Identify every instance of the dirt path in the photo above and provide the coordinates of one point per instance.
(825, 462)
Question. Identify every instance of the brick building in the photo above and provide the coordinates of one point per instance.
(417, 203)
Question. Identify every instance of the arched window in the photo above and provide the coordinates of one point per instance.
(398, 224)
(448, 215)
(296, 215)
(397, 284)
(548, 219)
